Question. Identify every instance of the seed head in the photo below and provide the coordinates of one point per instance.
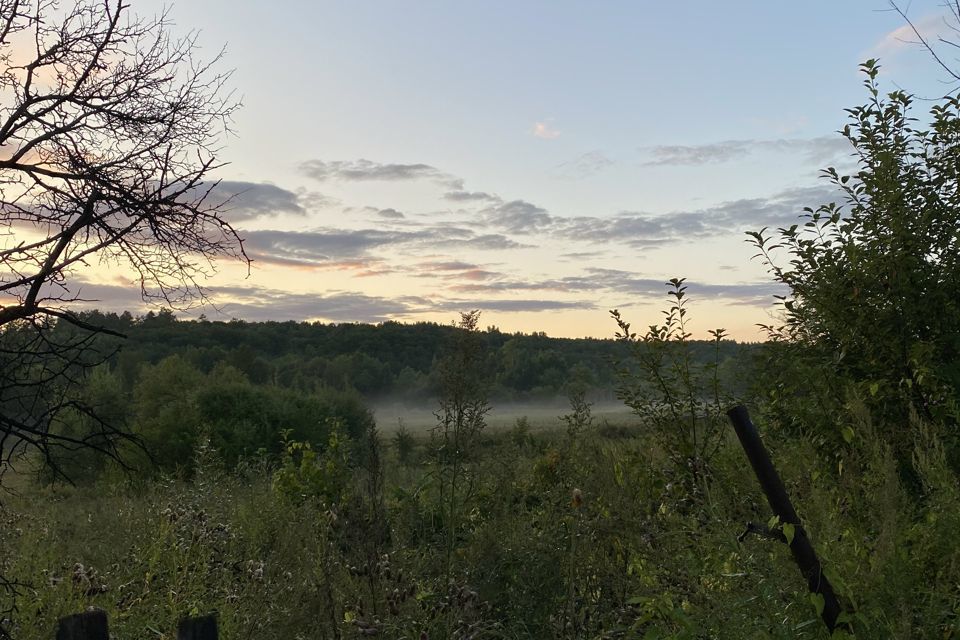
(576, 499)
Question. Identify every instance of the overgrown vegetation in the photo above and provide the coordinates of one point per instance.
(550, 540)
(676, 397)
(875, 279)
(275, 501)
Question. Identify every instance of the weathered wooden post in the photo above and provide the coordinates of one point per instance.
(776, 493)
(200, 628)
(89, 625)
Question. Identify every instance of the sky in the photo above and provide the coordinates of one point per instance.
(542, 161)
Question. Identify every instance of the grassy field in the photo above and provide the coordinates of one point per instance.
(540, 533)
(541, 416)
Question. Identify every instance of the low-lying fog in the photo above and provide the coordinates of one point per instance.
(540, 414)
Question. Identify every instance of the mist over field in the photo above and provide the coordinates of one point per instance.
(541, 414)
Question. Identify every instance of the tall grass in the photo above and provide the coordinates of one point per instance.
(593, 541)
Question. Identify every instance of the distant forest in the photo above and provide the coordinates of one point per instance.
(384, 361)
(248, 386)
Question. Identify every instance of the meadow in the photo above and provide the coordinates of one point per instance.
(581, 525)
(548, 534)
(238, 468)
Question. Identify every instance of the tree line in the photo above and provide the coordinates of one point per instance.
(378, 361)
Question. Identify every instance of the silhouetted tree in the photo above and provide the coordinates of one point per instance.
(109, 127)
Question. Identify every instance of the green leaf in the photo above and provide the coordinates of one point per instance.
(847, 432)
(817, 600)
(789, 531)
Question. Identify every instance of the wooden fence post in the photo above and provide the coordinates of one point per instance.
(89, 625)
(201, 628)
(779, 501)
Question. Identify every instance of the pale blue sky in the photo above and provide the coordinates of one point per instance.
(609, 146)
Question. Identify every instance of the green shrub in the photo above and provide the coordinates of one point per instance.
(404, 443)
(874, 281)
(680, 401)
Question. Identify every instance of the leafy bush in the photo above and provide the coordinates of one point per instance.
(175, 403)
(405, 444)
(306, 475)
(874, 282)
(679, 400)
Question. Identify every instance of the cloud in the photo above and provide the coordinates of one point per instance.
(454, 236)
(516, 306)
(568, 284)
(506, 222)
(268, 304)
(664, 155)
(328, 247)
(476, 274)
(544, 131)
(931, 27)
(306, 248)
(254, 303)
(311, 200)
(517, 216)
(243, 201)
(586, 165)
(598, 281)
(262, 303)
(822, 149)
(493, 242)
(366, 170)
(500, 226)
(447, 266)
(454, 270)
(470, 196)
(760, 294)
(581, 255)
(645, 230)
(257, 303)
(121, 297)
(751, 293)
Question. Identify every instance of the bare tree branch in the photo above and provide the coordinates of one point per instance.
(110, 128)
(953, 7)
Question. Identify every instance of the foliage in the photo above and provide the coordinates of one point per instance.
(579, 417)
(175, 404)
(405, 444)
(389, 361)
(680, 400)
(295, 522)
(103, 402)
(461, 418)
(305, 474)
(627, 555)
(874, 282)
